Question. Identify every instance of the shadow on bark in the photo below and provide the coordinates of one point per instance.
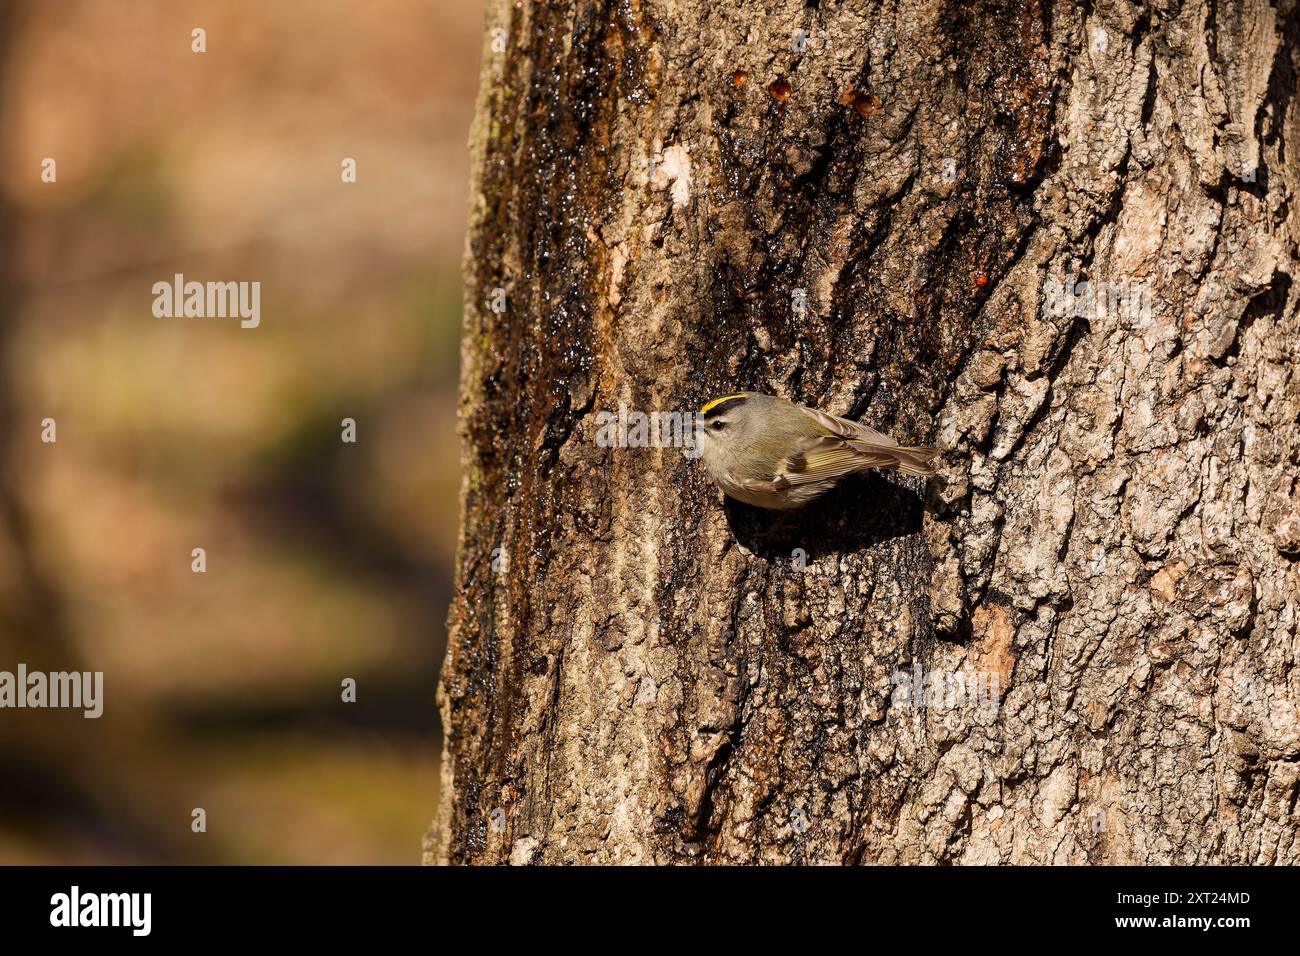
(861, 512)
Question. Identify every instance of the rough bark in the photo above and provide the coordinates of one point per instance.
(649, 675)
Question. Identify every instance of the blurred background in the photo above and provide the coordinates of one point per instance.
(324, 560)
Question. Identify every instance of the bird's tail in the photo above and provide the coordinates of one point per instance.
(909, 459)
(915, 459)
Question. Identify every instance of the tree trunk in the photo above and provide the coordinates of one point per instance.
(1077, 644)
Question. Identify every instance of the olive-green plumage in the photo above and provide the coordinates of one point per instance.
(772, 453)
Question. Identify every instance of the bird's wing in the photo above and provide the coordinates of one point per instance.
(759, 486)
(847, 430)
(870, 448)
(829, 458)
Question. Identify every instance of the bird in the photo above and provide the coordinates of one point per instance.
(771, 453)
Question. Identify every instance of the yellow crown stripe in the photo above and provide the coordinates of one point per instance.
(718, 401)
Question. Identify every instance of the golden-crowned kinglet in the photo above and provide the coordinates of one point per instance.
(768, 452)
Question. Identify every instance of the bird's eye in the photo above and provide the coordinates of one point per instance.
(718, 426)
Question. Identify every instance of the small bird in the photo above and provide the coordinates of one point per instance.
(772, 453)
